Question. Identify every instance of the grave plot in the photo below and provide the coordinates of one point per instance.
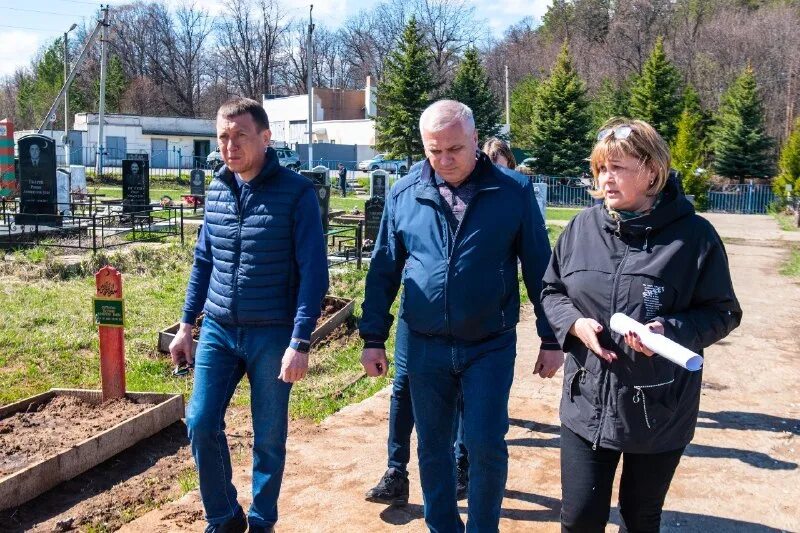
(335, 312)
(52, 437)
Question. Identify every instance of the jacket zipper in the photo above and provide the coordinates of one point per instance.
(606, 381)
(450, 252)
(502, 312)
(235, 300)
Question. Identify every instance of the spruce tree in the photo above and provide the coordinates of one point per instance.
(655, 95)
(687, 154)
(742, 148)
(471, 87)
(610, 101)
(789, 164)
(523, 99)
(561, 125)
(404, 94)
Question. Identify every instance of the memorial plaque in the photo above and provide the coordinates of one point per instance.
(324, 199)
(37, 180)
(135, 185)
(373, 211)
(540, 195)
(377, 183)
(197, 182)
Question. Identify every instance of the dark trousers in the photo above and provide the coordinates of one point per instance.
(401, 415)
(343, 185)
(587, 476)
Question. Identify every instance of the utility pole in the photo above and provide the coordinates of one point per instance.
(66, 98)
(309, 55)
(508, 109)
(102, 114)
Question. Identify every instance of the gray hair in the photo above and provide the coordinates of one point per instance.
(443, 113)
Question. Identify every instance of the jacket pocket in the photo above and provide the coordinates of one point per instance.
(653, 402)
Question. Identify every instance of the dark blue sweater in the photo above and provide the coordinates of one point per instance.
(261, 255)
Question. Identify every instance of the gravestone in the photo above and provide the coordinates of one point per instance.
(62, 192)
(540, 195)
(138, 156)
(373, 211)
(37, 180)
(324, 199)
(318, 175)
(377, 183)
(77, 179)
(135, 185)
(197, 182)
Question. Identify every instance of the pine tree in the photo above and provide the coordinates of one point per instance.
(741, 146)
(471, 87)
(610, 101)
(404, 95)
(561, 125)
(655, 96)
(523, 99)
(687, 153)
(789, 164)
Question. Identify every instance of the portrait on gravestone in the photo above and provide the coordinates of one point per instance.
(37, 179)
(197, 182)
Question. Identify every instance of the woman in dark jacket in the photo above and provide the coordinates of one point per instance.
(643, 252)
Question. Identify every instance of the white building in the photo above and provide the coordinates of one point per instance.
(339, 117)
(170, 141)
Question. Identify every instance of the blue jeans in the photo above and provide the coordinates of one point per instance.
(401, 415)
(224, 355)
(438, 370)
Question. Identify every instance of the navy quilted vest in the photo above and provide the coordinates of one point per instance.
(254, 279)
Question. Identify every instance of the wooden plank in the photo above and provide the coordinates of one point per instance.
(28, 483)
(24, 405)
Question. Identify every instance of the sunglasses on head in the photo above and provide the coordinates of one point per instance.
(620, 132)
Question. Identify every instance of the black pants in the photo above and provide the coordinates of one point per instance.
(587, 476)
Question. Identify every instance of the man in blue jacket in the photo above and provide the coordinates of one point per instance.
(451, 234)
(260, 274)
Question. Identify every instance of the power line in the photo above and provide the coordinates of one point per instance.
(30, 29)
(37, 11)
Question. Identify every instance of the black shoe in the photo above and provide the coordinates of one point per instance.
(237, 524)
(392, 489)
(260, 529)
(462, 479)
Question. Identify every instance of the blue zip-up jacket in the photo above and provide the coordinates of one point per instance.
(464, 285)
(261, 256)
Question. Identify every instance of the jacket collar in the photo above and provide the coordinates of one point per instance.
(673, 206)
(268, 171)
(484, 175)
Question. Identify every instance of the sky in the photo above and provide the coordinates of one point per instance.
(26, 26)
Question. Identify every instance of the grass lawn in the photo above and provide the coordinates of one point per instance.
(792, 266)
(785, 221)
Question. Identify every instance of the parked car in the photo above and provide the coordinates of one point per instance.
(382, 162)
(286, 157)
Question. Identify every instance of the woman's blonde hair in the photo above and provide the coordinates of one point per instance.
(643, 142)
(494, 147)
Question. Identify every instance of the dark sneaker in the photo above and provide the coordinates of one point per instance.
(237, 524)
(260, 529)
(392, 489)
(462, 480)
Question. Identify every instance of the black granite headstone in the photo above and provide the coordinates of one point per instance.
(37, 180)
(377, 186)
(138, 156)
(373, 211)
(324, 199)
(135, 185)
(197, 182)
(319, 175)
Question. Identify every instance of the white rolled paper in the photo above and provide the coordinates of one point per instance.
(666, 348)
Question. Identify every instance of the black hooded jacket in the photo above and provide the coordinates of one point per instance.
(668, 265)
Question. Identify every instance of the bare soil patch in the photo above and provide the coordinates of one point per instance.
(52, 427)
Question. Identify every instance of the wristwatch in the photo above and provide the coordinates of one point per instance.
(300, 345)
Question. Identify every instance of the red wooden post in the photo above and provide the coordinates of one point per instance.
(112, 338)
(8, 178)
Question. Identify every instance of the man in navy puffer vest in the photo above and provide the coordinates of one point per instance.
(260, 274)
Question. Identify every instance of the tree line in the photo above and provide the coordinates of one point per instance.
(601, 54)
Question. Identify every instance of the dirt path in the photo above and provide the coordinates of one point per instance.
(740, 474)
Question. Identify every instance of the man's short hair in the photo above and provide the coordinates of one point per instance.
(443, 113)
(239, 106)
